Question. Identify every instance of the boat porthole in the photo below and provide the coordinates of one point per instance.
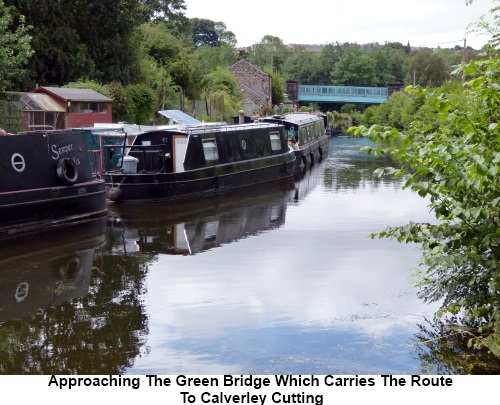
(243, 144)
(71, 269)
(18, 162)
(22, 291)
(67, 171)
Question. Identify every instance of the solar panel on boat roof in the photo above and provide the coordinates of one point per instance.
(180, 117)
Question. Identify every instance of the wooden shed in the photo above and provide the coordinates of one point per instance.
(83, 107)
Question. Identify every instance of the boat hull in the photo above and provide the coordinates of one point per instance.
(46, 182)
(312, 152)
(138, 187)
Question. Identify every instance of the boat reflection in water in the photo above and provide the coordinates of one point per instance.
(39, 273)
(192, 227)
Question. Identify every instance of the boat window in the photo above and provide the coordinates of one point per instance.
(275, 141)
(210, 149)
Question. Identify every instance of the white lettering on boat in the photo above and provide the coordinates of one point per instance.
(58, 152)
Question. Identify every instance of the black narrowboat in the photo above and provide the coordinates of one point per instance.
(199, 160)
(46, 182)
(306, 133)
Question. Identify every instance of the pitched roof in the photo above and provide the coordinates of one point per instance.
(70, 94)
(245, 62)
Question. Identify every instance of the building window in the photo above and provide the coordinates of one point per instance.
(275, 141)
(210, 149)
(88, 107)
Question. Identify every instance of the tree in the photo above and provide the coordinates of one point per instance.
(277, 87)
(300, 66)
(426, 68)
(204, 32)
(328, 57)
(159, 42)
(209, 57)
(15, 48)
(354, 68)
(456, 166)
(389, 63)
(164, 10)
(225, 36)
(221, 94)
(270, 52)
(75, 39)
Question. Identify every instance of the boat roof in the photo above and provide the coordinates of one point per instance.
(293, 118)
(229, 127)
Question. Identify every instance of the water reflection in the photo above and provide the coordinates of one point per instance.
(193, 227)
(445, 350)
(58, 269)
(67, 309)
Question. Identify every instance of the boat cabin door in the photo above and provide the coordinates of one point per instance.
(179, 152)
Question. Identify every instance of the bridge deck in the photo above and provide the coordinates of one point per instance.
(343, 94)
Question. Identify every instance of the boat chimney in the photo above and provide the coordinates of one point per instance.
(241, 119)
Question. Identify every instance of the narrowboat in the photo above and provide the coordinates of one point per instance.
(46, 182)
(306, 133)
(199, 160)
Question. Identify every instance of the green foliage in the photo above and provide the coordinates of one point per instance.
(163, 10)
(160, 43)
(221, 95)
(402, 108)
(269, 53)
(299, 66)
(204, 32)
(278, 84)
(339, 120)
(354, 68)
(454, 161)
(347, 108)
(141, 104)
(210, 58)
(15, 48)
(426, 68)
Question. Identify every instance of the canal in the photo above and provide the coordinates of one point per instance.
(282, 279)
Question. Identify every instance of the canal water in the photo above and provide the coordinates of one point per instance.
(282, 279)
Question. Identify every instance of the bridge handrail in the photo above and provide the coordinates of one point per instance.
(313, 90)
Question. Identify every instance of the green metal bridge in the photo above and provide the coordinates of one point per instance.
(342, 94)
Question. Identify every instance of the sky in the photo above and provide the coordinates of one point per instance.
(432, 23)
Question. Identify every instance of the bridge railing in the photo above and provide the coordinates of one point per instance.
(329, 91)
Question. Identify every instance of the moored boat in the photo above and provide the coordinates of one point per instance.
(46, 182)
(306, 133)
(198, 160)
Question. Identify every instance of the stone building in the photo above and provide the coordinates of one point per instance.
(255, 85)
